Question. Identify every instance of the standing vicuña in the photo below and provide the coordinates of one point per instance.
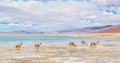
(83, 42)
(18, 46)
(37, 45)
(94, 43)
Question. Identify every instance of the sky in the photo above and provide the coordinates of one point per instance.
(57, 15)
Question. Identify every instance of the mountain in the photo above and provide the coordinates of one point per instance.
(95, 29)
(21, 32)
(111, 29)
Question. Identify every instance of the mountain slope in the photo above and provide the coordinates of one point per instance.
(112, 29)
(95, 29)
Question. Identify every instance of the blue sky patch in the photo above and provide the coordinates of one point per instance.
(4, 22)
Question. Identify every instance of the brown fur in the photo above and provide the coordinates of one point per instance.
(94, 43)
(18, 46)
(37, 45)
(72, 44)
(83, 42)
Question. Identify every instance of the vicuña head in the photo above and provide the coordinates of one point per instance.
(21, 43)
(98, 42)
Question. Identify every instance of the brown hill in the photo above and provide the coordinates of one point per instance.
(95, 29)
(111, 29)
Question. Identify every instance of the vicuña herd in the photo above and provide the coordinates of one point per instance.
(83, 43)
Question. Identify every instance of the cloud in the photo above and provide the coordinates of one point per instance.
(54, 15)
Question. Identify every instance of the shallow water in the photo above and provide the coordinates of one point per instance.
(10, 39)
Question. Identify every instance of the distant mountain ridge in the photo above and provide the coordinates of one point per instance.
(95, 29)
(111, 29)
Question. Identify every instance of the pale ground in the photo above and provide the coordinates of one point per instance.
(61, 53)
(115, 35)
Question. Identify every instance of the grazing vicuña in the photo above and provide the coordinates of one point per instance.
(72, 44)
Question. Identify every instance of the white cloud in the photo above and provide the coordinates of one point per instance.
(58, 15)
(108, 13)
